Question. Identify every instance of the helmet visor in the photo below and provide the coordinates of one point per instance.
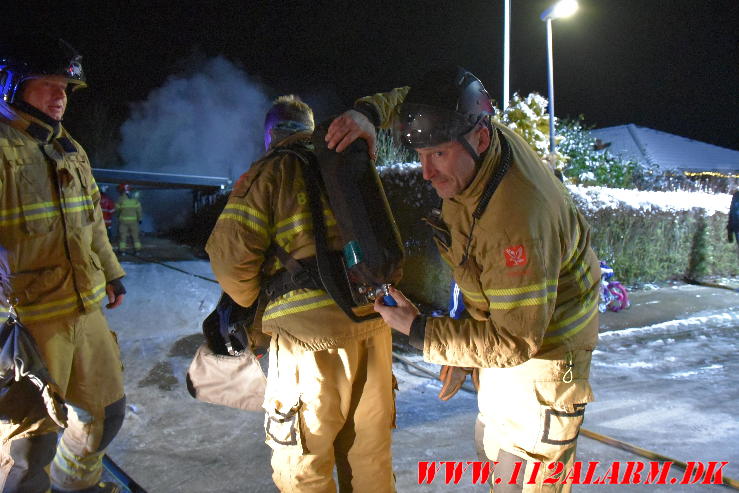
(420, 125)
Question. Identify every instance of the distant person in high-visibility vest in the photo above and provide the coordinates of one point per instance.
(108, 207)
(128, 211)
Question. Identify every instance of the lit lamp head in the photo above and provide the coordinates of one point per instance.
(561, 9)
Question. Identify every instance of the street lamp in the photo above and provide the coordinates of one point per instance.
(563, 8)
(506, 51)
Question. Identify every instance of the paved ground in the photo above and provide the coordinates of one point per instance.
(667, 388)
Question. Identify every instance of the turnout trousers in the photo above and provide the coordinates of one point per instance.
(331, 408)
(83, 358)
(126, 229)
(530, 417)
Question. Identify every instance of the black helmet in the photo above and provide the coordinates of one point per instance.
(25, 58)
(442, 106)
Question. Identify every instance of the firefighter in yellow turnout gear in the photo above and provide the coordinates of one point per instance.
(62, 266)
(128, 210)
(520, 252)
(329, 400)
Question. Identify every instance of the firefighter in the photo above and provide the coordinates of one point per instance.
(108, 207)
(329, 400)
(520, 252)
(128, 212)
(62, 267)
(732, 226)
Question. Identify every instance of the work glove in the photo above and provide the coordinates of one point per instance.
(54, 403)
(115, 290)
(453, 377)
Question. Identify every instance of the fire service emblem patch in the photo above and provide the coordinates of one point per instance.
(515, 256)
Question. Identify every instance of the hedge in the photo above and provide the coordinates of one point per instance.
(640, 246)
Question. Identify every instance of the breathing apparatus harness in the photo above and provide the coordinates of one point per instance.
(324, 271)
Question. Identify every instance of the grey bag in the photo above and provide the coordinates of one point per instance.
(225, 369)
(234, 381)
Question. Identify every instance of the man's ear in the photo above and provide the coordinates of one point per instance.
(483, 141)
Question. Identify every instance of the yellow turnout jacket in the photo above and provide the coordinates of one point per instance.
(50, 221)
(269, 203)
(531, 282)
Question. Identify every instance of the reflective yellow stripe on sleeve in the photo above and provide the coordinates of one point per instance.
(532, 295)
(297, 223)
(248, 216)
(568, 327)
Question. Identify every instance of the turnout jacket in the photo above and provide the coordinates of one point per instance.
(128, 209)
(531, 282)
(269, 204)
(50, 221)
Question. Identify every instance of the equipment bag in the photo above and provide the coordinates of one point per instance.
(229, 367)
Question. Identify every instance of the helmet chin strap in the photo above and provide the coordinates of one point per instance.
(470, 150)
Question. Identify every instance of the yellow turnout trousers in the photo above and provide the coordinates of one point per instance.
(331, 408)
(126, 229)
(532, 413)
(83, 358)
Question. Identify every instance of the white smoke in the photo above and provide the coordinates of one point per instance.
(208, 123)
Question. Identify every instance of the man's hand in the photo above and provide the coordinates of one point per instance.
(398, 317)
(116, 292)
(348, 127)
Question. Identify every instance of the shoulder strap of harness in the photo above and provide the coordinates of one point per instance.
(330, 268)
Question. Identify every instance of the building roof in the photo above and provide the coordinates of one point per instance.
(161, 180)
(668, 151)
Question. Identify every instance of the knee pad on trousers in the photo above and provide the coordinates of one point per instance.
(30, 456)
(114, 414)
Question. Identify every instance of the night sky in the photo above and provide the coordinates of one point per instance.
(671, 65)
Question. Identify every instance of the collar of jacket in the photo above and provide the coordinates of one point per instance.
(296, 138)
(44, 130)
(490, 160)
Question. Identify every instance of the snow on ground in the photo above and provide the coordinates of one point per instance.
(595, 198)
(668, 387)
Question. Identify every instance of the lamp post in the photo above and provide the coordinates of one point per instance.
(563, 8)
(506, 51)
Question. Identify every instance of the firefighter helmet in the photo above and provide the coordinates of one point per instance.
(441, 107)
(25, 58)
(124, 188)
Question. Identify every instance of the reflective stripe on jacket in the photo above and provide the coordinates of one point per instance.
(50, 221)
(269, 204)
(128, 209)
(531, 282)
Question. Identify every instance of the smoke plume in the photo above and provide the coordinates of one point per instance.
(206, 123)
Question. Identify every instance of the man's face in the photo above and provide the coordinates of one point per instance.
(448, 166)
(47, 94)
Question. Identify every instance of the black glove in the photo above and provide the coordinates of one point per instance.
(117, 285)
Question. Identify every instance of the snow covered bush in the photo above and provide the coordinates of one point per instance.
(587, 166)
(529, 118)
(390, 152)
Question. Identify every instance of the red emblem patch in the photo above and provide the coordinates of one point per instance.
(515, 256)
